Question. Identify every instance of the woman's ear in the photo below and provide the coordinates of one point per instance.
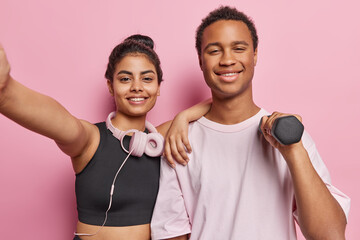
(158, 91)
(110, 87)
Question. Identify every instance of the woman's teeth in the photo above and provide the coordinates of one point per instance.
(136, 99)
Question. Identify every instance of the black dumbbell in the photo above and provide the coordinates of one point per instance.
(286, 130)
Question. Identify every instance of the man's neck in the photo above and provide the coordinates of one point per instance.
(232, 110)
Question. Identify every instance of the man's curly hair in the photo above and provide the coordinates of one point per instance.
(225, 13)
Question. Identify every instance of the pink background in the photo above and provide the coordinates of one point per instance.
(309, 55)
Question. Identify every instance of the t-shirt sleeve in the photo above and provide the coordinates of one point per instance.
(324, 174)
(170, 218)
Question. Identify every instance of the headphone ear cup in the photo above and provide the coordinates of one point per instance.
(154, 144)
(138, 142)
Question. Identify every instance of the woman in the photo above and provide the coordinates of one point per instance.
(134, 76)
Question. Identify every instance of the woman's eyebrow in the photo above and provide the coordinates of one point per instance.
(130, 73)
(124, 72)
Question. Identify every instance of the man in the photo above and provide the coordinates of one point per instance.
(238, 183)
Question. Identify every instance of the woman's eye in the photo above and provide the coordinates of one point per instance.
(124, 79)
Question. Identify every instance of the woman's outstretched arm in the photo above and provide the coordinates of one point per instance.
(42, 114)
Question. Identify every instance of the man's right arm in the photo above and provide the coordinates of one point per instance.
(170, 218)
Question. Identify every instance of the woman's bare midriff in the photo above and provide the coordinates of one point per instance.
(137, 232)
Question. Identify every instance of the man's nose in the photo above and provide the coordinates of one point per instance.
(227, 58)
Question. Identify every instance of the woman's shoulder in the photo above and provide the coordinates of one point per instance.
(93, 132)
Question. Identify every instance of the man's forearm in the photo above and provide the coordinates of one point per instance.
(320, 215)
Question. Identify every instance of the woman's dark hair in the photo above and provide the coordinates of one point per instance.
(131, 45)
(225, 13)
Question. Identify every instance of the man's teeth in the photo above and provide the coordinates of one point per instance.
(137, 99)
(228, 74)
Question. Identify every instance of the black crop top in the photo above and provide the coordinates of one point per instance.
(135, 189)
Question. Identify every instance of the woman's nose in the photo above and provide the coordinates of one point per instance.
(136, 86)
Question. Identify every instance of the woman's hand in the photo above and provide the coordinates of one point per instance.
(31, 110)
(4, 70)
(175, 132)
(176, 141)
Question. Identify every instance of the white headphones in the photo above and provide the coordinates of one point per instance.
(151, 144)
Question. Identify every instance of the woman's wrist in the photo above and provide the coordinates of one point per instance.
(183, 116)
(3, 89)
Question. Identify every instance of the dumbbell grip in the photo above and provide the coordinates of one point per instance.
(286, 130)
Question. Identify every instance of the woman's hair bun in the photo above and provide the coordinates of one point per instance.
(146, 40)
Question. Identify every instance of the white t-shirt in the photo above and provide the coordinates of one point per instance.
(235, 186)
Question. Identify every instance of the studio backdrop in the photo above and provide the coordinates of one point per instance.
(308, 63)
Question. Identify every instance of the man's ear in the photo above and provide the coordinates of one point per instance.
(255, 56)
(110, 87)
(200, 62)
